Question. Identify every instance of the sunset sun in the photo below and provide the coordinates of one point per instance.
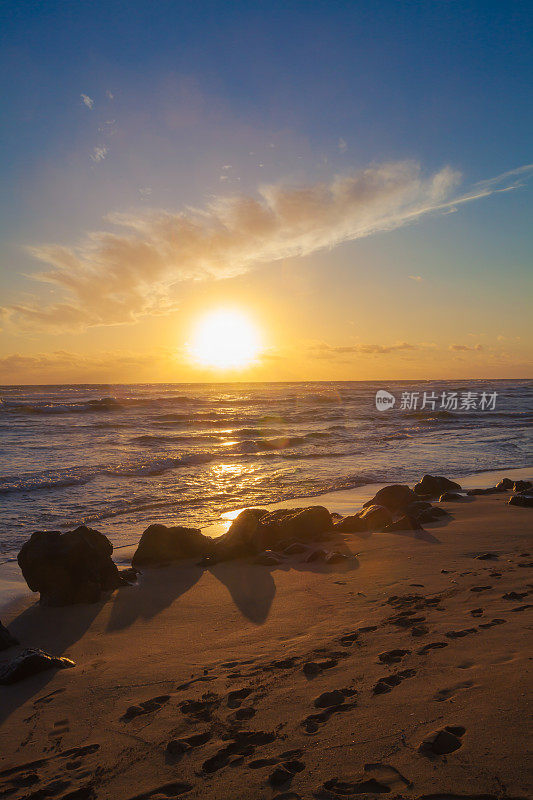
(225, 339)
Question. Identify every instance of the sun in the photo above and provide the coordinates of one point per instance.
(225, 339)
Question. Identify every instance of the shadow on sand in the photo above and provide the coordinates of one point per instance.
(51, 629)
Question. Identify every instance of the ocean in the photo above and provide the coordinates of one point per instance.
(119, 458)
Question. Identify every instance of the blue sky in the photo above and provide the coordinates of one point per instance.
(185, 102)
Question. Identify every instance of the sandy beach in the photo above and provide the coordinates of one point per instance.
(234, 666)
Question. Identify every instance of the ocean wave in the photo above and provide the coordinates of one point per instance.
(157, 466)
(77, 476)
(102, 404)
(59, 479)
(278, 443)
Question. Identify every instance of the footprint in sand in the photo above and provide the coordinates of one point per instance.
(461, 634)
(286, 756)
(431, 646)
(332, 702)
(243, 743)
(349, 638)
(375, 779)
(393, 656)
(515, 595)
(492, 623)
(145, 707)
(451, 691)
(200, 709)
(170, 790)
(243, 713)
(387, 683)
(522, 608)
(285, 772)
(178, 746)
(476, 612)
(328, 699)
(480, 588)
(443, 742)
(235, 698)
(312, 668)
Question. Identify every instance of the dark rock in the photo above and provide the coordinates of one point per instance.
(435, 485)
(525, 500)
(68, 568)
(476, 492)
(505, 485)
(305, 524)
(432, 514)
(522, 486)
(160, 545)
(450, 497)
(317, 555)
(375, 517)
(295, 549)
(350, 524)
(239, 540)
(405, 523)
(6, 639)
(371, 518)
(336, 558)
(31, 662)
(417, 507)
(395, 497)
(129, 575)
(255, 530)
(268, 559)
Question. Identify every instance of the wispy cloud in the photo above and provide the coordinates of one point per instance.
(59, 363)
(117, 277)
(324, 350)
(87, 101)
(342, 145)
(460, 348)
(416, 277)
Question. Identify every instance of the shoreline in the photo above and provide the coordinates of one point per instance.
(13, 588)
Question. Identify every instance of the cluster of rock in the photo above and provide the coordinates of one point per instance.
(522, 491)
(77, 566)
